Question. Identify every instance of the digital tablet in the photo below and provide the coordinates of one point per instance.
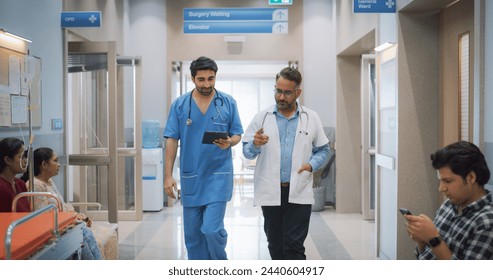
(210, 136)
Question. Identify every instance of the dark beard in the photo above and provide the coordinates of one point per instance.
(205, 93)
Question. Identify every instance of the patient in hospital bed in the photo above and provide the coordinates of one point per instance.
(45, 167)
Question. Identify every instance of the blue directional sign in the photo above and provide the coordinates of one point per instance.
(234, 27)
(235, 20)
(81, 19)
(233, 14)
(280, 2)
(374, 6)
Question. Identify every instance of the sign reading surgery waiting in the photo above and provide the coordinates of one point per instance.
(235, 20)
(374, 6)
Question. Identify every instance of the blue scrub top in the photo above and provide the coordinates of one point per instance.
(206, 171)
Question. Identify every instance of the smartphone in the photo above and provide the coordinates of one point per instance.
(404, 211)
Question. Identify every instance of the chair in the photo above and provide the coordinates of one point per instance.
(242, 169)
(34, 194)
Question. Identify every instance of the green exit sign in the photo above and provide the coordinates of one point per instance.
(280, 2)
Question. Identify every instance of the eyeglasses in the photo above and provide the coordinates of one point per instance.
(287, 93)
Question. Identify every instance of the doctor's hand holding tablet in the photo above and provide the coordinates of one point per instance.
(219, 138)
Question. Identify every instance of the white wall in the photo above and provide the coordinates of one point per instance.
(488, 101)
(354, 36)
(350, 26)
(40, 22)
(488, 91)
(111, 28)
(146, 37)
(146, 33)
(319, 85)
(387, 29)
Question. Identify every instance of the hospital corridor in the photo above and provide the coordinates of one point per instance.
(109, 108)
(332, 236)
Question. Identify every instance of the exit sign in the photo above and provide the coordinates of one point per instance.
(280, 2)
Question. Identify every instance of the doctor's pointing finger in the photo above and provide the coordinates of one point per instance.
(260, 138)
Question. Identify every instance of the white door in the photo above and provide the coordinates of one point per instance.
(386, 152)
(368, 137)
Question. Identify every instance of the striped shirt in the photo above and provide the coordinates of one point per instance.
(469, 235)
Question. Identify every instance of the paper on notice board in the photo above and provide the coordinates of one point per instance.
(5, 110)
(14, 75)
(19, 109)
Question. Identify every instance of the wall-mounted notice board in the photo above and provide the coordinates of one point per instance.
(20, 88)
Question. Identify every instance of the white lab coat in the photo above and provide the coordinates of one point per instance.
(310, 134)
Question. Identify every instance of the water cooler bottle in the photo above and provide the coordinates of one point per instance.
(152, 167)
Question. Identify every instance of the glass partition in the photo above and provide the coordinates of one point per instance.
(104, 131)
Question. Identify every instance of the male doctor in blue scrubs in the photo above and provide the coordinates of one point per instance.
(206, 170)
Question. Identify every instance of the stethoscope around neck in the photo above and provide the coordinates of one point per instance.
(305, 131)
(216, 98)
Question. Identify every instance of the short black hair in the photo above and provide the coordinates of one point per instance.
(462, 157)
(290, 74)
(202, 63)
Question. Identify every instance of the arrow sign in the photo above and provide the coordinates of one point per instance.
(235, 20)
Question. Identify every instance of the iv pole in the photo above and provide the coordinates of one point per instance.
(30, 152)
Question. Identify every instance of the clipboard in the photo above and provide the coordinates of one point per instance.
(210, 136)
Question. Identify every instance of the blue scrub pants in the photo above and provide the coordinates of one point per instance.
(205, 236)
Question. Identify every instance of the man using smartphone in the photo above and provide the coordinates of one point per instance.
(463, 226)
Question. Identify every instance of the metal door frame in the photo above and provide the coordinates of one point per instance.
(366, 150)
(112, 154)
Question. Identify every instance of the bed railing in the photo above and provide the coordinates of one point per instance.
(16, 223)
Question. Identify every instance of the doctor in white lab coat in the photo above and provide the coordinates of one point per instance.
(289, 143)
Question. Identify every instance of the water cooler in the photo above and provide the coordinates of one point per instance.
(152, 167)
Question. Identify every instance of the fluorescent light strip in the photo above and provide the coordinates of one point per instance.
(18, 37)
(384, 46)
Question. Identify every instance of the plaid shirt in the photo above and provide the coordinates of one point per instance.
(469, 235)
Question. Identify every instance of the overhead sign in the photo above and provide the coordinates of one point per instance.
(280, 2)
(374, 6)
(81, 19)
(236, 27)
(235, 20)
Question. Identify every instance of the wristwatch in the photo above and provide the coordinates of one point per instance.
(435, 241)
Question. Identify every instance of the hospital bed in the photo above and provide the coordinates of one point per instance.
(45, 234)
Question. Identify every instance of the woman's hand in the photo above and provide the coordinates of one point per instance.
(84, 218)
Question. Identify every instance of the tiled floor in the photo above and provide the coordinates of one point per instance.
(332, 236)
